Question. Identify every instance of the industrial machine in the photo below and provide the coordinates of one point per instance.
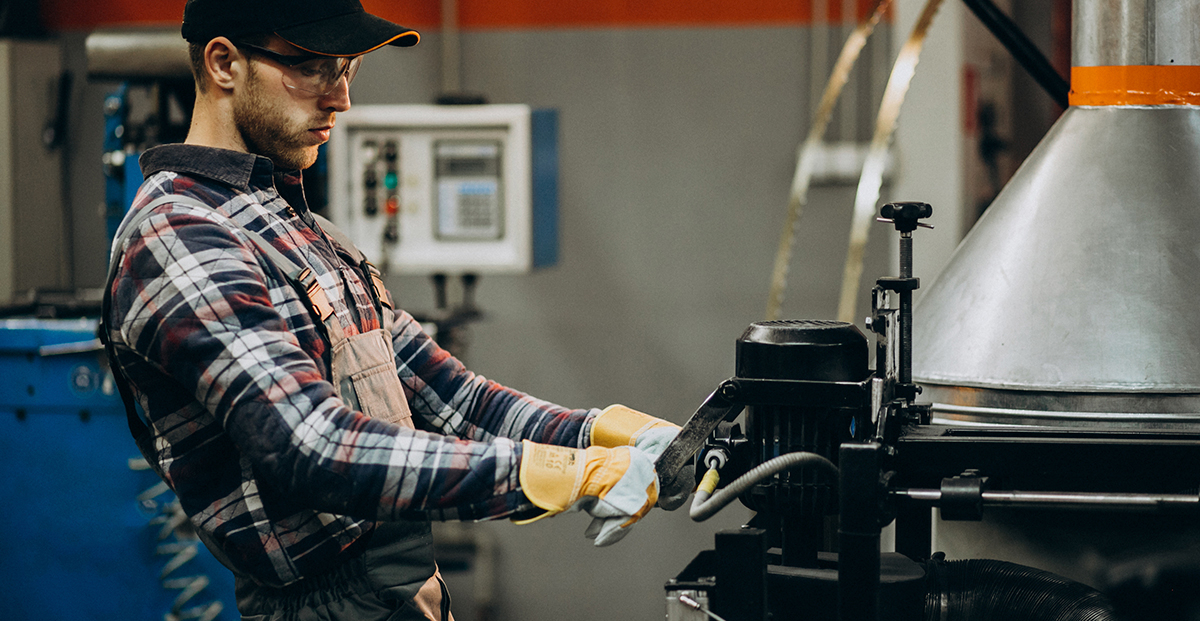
(1061, 378)
(830, 444)
(94, 533)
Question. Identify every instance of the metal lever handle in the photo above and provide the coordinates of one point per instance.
(719, 406)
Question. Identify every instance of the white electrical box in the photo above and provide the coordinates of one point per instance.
(424, 189)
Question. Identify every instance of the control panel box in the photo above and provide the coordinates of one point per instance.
(424, 189)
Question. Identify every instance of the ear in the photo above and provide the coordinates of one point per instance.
(223, 62)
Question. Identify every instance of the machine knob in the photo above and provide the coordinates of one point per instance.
(905, 215)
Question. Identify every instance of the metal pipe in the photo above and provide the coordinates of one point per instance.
(1066, 500)
(137, 55)
(1135, 32)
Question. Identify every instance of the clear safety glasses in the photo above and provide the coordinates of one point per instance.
(310, 73)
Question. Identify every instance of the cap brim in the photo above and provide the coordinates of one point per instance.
(351, 34)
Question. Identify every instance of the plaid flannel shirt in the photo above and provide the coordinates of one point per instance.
(276, 472)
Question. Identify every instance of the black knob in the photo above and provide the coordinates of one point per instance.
(905, 215)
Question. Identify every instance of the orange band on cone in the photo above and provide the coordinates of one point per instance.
(1135, 85)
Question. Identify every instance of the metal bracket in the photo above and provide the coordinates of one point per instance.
(962, 497)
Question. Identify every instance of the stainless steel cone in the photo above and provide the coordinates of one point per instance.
(1074, 300)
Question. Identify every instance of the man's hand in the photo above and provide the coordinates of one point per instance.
(618, 425)
(616, 486)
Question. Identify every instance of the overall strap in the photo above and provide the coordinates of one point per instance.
(372, 274)
(302, 277)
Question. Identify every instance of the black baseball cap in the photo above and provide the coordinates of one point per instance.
(328, 27)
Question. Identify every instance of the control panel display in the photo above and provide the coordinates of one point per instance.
(469, 201)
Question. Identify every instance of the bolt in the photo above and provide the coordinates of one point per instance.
(729, 390)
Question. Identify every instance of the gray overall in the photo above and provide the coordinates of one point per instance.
(396, 578)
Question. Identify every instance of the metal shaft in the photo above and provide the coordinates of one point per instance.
(1068, 500)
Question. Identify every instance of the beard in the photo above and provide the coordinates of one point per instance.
(267, 129)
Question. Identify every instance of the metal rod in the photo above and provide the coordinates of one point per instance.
(694, 605)
(1022, 49)
(906, 304)
(1067, 500)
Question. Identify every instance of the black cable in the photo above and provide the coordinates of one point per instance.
(1022, 49)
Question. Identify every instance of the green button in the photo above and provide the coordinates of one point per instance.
(389, 180)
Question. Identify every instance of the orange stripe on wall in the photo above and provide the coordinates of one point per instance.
(518, 13)
(862, 8)
(1135, 85)
(483, 14)
(89, 14)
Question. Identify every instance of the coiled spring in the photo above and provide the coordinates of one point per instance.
(177, 540)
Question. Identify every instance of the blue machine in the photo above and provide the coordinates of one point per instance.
(90, 532)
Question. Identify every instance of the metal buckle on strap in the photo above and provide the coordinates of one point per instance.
(377, 283)
(316, 295)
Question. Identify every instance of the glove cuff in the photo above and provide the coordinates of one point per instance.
(553, 477)
(550, 475)
(618, 425)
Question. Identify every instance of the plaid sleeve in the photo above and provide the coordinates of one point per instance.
(448, 398)
(197, 305)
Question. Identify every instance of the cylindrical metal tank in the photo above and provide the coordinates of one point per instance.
(1071, 302)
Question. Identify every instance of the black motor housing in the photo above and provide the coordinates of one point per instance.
(794, 504)
(803, 349)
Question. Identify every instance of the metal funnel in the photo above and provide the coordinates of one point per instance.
(1073, 301)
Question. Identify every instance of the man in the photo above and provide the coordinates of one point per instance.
(310, 430)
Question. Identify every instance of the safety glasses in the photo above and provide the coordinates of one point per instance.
(310, 73)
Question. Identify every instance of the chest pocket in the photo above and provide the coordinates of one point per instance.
(364, 376)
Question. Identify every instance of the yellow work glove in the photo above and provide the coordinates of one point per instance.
(618, 425)
(616, 486)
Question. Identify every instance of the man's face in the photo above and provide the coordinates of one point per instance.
(280, 124)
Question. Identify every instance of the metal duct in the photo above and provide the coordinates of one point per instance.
(1072, 300)
(142, 54)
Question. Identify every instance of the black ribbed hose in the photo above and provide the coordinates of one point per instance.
(986, 590)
